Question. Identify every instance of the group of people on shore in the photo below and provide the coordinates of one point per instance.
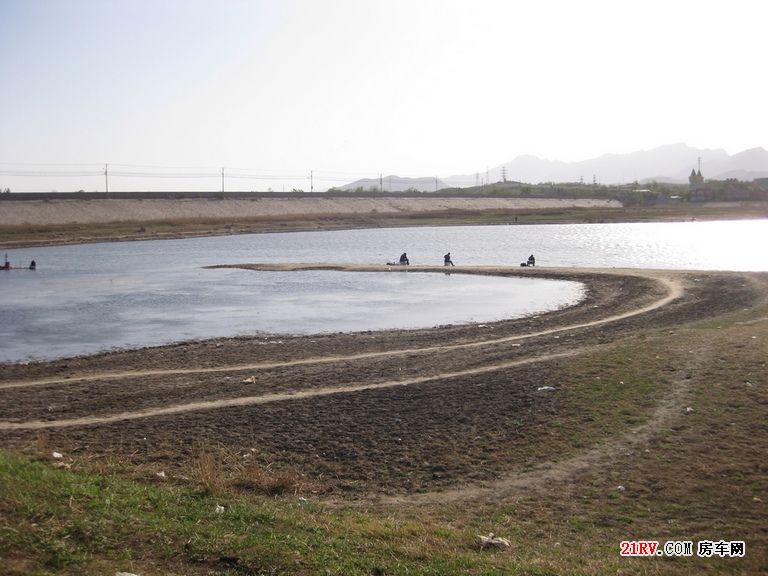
(404, 261)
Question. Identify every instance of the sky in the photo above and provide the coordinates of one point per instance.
(273, 90)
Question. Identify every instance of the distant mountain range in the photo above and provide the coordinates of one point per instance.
(396, 184)
(671, 163)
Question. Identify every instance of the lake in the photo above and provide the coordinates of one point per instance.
(94, 297)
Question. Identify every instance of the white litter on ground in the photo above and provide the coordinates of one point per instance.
(493, 541)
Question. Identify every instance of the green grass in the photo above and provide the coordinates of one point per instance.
(57, 521)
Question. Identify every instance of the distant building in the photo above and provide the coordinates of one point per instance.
(697, 188)
(730, 190)
(695, 177)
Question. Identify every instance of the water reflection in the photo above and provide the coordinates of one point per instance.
(84, 315)
(96, 296)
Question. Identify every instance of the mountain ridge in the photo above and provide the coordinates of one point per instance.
(669, 163)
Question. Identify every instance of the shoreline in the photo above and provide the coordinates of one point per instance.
(623, 409)
(620, 304)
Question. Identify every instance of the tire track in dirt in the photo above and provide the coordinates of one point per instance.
(601, 454)
(269, 398)
(559, 471)
(673, 287)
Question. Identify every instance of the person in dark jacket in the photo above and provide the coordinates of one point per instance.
(404, 259)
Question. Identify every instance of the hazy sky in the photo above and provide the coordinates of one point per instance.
(354, 88)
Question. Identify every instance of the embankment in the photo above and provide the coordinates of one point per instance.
(54, 212)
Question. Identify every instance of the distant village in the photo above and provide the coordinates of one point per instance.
(730, 190)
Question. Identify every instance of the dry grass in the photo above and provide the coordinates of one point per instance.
(209, 473)
(221, 471)
(42, 446)
(255, 477)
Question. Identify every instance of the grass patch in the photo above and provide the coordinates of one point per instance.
(70, 522)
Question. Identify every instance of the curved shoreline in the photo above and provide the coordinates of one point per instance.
(674, 290)
(239, 391)
(671, 290)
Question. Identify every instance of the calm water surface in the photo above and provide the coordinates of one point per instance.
(95, 297)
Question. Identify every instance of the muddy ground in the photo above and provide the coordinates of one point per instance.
(382, 413)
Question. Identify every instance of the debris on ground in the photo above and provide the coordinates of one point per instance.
(57, 455)
(542, 388)
(493, 541)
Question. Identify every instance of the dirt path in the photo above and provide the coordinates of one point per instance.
(667, 410)
(268, 398)
(550, 472)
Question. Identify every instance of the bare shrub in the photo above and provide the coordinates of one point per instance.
(42, 446)
(210, 473)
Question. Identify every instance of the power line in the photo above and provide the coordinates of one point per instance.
(107, 172)
(123, 171)
(56, 173)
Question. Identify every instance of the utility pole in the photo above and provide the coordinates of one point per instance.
(311, 181)
(222, 180)
(381, 185)
(435, 183)
(106, 178)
